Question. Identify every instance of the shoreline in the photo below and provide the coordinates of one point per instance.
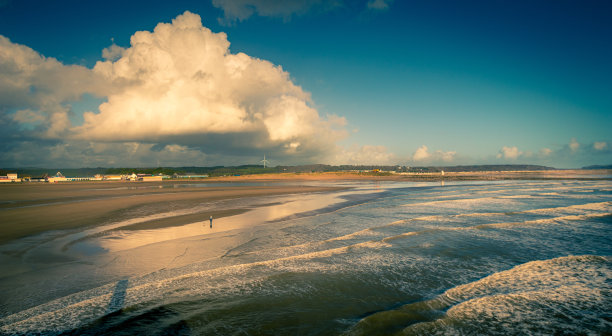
(31, 208)
(573, 174)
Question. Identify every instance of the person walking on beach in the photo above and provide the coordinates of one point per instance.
(211, 222)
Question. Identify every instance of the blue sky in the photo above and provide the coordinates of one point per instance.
(358, 82)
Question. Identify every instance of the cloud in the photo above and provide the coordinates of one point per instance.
(38, 89)
(364, 155)
(181, 85)
(511, 153)
(570, 155)
(379, 4)
(422, 154)
(28, 116)
(545, 151)
(574, 145)
(240, 10)
(178, 86)
(76, 154)
(600, 145)
(112, 53)
(32, 80)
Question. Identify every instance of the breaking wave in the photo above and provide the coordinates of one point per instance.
(566, 295)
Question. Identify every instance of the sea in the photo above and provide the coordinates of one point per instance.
(519, 257)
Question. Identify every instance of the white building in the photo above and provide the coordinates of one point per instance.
(10, 178)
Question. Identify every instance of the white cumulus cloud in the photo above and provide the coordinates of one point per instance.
(40, 88)
(113, 52)
(511, 153)
(180, 84)
(422, 154)
(177, 92)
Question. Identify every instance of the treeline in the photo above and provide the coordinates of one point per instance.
(256, 169)
(598, 167)
(210, 171)
(398, 168)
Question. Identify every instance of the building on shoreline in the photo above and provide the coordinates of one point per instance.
(59, 177)
(189, 176)
(12, 177)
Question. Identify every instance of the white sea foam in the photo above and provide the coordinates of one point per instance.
(361, 233)
(562, 295)
(495, 225)
(74, 310)
(551, 220)
(466, 201)
(480, 214)
(602, 209)
(596, 206)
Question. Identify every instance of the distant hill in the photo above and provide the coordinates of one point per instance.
(598, 167)
(257, 169)
(476, 168)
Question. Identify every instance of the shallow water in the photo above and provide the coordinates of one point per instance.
(518, 257)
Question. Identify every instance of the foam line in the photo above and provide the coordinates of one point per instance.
(552, 296)
(74, 310)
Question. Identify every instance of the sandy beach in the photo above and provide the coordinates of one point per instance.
(31, 208)
(27, 209)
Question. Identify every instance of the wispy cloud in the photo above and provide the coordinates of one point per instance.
(545, 151)
(240, 10)
(574, 145)
(379, 4)
(600, 145)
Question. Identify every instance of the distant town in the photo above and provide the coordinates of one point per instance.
(59, 177)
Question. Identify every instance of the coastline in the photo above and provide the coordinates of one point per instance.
(31, 208)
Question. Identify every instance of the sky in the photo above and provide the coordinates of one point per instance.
(225, 82)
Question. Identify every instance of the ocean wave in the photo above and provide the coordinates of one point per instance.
(595, 206)
(544, 220)
(603, 209)
(469, 201)
(73, 311)
(569, 295)
(496, 225)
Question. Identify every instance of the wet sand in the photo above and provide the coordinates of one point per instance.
(28, 209)
(31, 208)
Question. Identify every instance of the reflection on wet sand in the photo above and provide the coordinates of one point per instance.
(288, 207)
